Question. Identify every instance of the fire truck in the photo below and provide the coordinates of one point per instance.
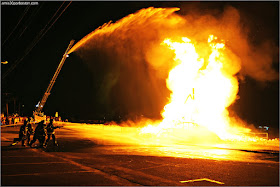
(38, 114)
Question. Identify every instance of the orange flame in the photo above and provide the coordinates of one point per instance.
(202, 88)
(202, 75)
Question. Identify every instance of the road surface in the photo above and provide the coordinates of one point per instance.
(81, 161)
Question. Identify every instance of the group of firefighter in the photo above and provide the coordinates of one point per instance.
(41, 131)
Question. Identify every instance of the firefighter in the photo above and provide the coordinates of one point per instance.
(51, 133)
(40, 134)
(22, 134)
(30, 131)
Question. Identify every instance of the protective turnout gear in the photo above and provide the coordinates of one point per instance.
(51, 133)
(40, 134)
(23, 131)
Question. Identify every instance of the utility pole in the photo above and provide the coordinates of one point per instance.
(7, 99)
(14, 105)
(7, 107)
(19, 108)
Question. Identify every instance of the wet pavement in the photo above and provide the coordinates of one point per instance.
(82, 161)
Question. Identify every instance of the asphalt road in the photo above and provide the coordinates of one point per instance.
(79, 161)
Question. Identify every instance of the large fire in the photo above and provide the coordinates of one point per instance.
(202, 73)
(202, 88)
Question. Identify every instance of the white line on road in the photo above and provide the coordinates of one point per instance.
(203, 179)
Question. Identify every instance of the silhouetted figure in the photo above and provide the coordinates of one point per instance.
(22, 134)
(30, 131)
(7, 120)
(51, 133)
(40, 134)
(3, 121)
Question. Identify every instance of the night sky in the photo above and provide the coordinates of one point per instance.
(75, 93)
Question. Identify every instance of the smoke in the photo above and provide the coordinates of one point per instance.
(256, 60)
(115, 53)
(126, 59)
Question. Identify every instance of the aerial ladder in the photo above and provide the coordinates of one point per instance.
(38, 114)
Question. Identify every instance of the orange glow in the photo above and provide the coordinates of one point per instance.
(128, 140)
(202, 87)
(199, 56)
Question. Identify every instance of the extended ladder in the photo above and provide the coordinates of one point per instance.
(41, 103)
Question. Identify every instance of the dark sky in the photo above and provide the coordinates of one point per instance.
(75, 93)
